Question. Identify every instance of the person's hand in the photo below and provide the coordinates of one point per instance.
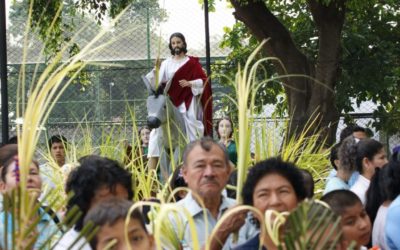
(230, 225)
(184, 83)
(234, 222)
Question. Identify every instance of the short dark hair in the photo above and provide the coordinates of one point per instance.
(366, 148)
(206, 144)
(357, 128)
(217, 126)
(273, 166)
(340, 200)
(308, 182)
(346, 132)
(182, 37)
(109, 212)
(57, 139)
(93, 173)
(349, 130)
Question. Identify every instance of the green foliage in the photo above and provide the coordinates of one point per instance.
(312, 225)
(369, 65)
(57, 30)
(243, 44)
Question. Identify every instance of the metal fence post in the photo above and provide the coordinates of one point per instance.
(3, 72)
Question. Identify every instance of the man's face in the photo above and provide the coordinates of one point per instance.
(206, 172)
(359, 135)
(177, 45)
(58, 152)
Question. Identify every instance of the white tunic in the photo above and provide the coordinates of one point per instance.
(360, 188)
(193, 116)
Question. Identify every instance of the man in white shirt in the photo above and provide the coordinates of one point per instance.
(54, 171)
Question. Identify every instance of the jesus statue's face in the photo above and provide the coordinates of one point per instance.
(177, 45)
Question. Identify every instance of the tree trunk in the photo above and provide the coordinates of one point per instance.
(306, 97)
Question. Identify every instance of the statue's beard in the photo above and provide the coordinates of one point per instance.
(178, 50)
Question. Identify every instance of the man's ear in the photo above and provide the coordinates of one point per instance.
(2, 184)
(231, 167)
(184, 172)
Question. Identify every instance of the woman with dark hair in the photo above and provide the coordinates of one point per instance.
(224, 129)
(272, 184)
(379, 198)
(370, 154)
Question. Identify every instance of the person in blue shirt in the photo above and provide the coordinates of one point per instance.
(272, 185)
(46, 232)
(392, 226)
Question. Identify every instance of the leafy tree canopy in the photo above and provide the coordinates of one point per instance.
(369, 67)
(55, 20)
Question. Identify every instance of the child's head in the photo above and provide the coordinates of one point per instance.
(355, 222)
(354, 130)
(96, 179)
(9, 174)
(110, 217)
(308, 182)
(370, 155)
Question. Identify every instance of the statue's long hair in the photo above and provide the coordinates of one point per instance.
(182, 37)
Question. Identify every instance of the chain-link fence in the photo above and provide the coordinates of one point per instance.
(110, 92)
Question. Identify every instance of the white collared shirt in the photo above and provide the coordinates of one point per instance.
(69, 238)
(247, 231)
(360, 188)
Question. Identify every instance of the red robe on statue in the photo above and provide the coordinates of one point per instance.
(192, 70)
